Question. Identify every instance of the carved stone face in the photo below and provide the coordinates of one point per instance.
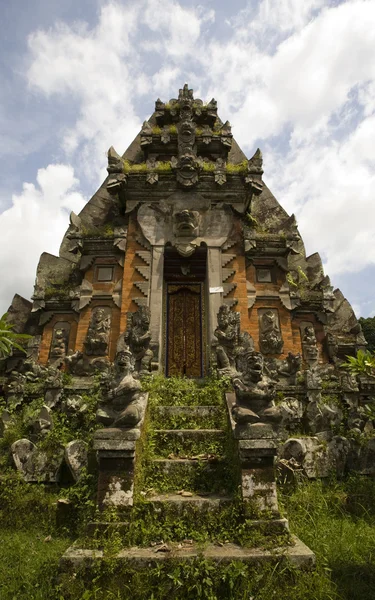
(123, 359)
(223, 319)
(99, 315)
(309, 332)
(186, 223)
(254, 363)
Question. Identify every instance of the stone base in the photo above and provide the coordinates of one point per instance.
(116, 455)
(298, 554)
(248, 430)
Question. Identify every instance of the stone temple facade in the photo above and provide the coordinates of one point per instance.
(182, 225)
(184, 258)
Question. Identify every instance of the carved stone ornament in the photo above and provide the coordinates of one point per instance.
(309, 345)
(270, 339)
(206, 135)
(122, 398)
(226, 134)
(255, 164)
(138, 337)
(186, 223)
(115, 182)
(255, 392)
(146, 134)
(152, 176)
(115, 161)
(187, 170)
(220, 175)
(290, 367)
(59, 344)
(227, 334)
(186, 249)
(97, 339)
(165, 135)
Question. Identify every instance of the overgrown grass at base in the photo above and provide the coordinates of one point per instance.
(336, 519)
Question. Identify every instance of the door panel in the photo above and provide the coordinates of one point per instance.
(184, 330)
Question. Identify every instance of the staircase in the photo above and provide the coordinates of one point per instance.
(188, 499)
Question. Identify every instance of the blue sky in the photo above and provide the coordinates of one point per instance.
(296, 78)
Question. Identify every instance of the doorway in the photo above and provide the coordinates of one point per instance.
(185, 335)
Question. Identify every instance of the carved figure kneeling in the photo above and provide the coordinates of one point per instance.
(255, 393)
(122, 406)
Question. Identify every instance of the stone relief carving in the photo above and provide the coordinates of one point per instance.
(220, 174)
(59, 344)
(309, 345)
(227, 334)
(138, 337)
(97, 339)
(290, 367)
(270, 339)
(186, 223)
(187, 166)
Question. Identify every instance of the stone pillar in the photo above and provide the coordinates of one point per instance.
(257, 447)
(215, 280)
(156, 301)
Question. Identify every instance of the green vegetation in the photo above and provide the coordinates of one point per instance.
(106, 231)
(250, 220)
(337, 520)
(241, 168)
(368, 328)
(162, 167)
(208, 167)
(362, 364)
(175, 391)
(9, 339)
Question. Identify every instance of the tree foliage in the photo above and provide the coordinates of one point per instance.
(368, 327)
(362, 364)
(9, 339)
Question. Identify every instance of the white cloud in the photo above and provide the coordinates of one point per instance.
(294, 77)
(97, 70)
(35, 223)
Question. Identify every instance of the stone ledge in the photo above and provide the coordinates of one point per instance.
(298, 554)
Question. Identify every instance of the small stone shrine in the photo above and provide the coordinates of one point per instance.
(184, 263)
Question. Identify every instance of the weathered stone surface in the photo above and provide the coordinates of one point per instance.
(138, 337)
(124, 403)
(75, 455)
(43, 423)
(33, 464)
(297, 553)
(97, 339)
(19, 313)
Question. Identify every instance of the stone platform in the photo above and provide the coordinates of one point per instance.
(297, 554)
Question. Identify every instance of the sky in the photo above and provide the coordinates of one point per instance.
(294, 77)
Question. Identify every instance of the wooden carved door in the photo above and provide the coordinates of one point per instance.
(184, 330)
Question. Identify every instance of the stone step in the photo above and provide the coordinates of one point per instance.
(105, 529)
(179, 504)
(172, 475)
(189, 442)
(198, 501)
(297, 553)
(175, 417)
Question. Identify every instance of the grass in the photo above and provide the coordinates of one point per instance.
(335, 519)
